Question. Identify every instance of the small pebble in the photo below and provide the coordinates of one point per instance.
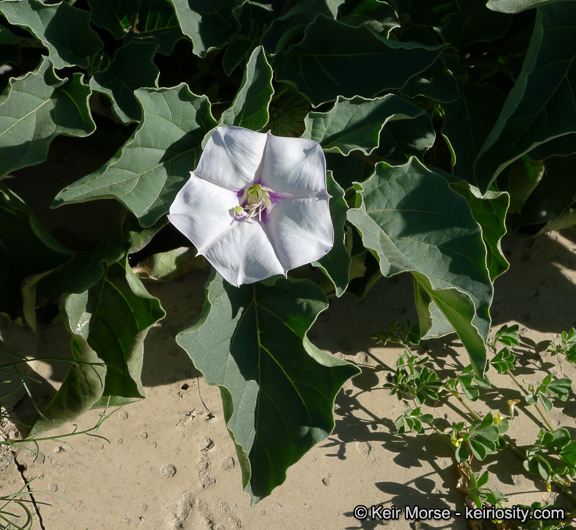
(168, 471)
(123, 415)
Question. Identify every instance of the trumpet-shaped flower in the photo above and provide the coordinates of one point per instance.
(256, 205)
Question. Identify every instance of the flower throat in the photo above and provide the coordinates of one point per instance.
(254, 200)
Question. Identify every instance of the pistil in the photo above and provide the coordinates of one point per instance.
(255, 200)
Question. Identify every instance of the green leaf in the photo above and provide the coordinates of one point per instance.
(7, 37)
(379, 16)
(250, 106)
(26, 250)
(520, 179)
(289, 28)
(139, 237)
(348, 169)
(65, 30)
(436, 82)
(157, 22)
(561, 388)
(9, 47)
(84, 383)
(402, 139)
(550, 197)
(461, 453)
(562, 146)
(355, 124)
(108, 324)
(517, 6)
(149, 170)
(541, 105)
(336, 264)
(483, 479)
(479, 450)
(475, 23)
(209, 23)
(489, 211)
(236, 52)
(336, 59)
(34, 109)
(83, 271)
(469, 120)
(167, 266)
(117, 16)
(277, 388)
(546, 403)
(132, 68)
(413, 221)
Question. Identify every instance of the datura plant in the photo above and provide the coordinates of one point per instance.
(298, 150)
(256, 205)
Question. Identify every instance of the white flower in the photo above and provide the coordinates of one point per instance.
(256, 205)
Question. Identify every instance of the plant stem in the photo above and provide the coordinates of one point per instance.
(564, 488)
(444, 437)
(538, 409)
(457, 395)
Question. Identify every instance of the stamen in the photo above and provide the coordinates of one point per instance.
(255, 200)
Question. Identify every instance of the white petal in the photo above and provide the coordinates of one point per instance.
(293, 165)
(232, 157)
(300, 230)
(202, 211)
(244, 254)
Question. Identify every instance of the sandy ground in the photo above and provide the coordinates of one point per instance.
(170, 463)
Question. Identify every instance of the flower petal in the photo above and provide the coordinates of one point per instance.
(232, 157)
(202, 211)
(244, 254)
(293, 165)
(300, 230)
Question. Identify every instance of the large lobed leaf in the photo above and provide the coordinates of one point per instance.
(413, 221)
(475, 23)
(541, 107)
(356, 124)
(469, 120)
(132, 68)
(117, 16)
(335, 59)
(151, 167)
(34, 109)
(209, 23)
(277, 388)
(250, 106)
(150, 21)
(108, 324)
(157, 22)
(290, 27)
(65, 30)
